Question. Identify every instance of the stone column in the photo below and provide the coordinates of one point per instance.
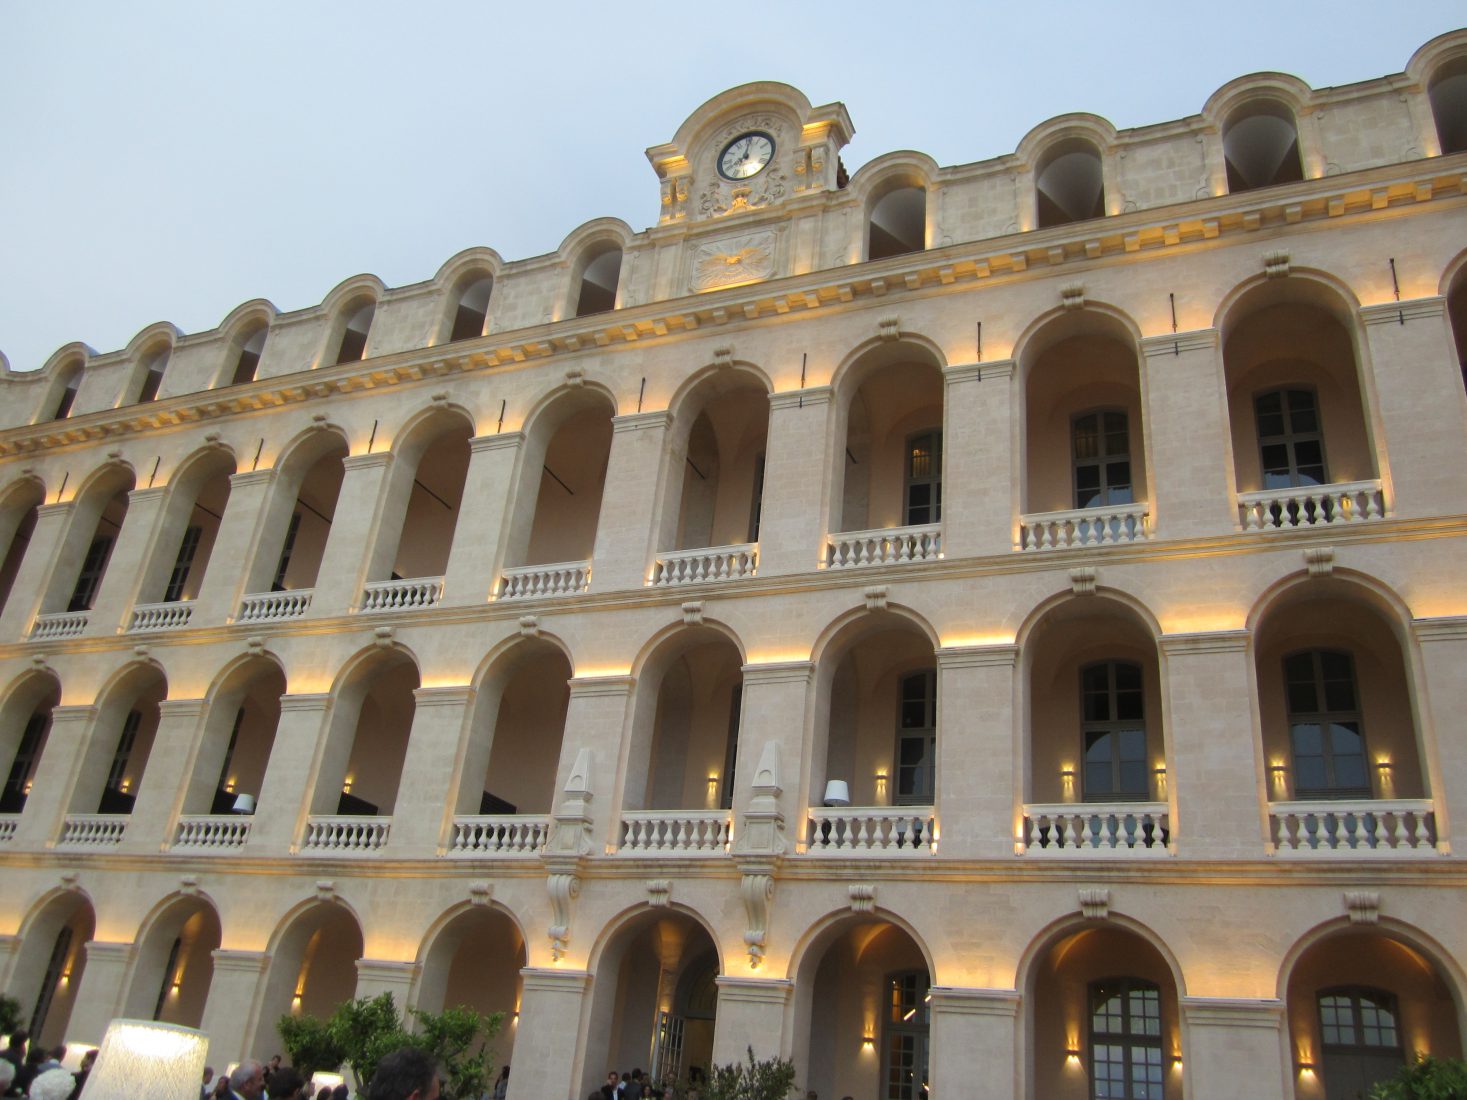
(427, 790)
(797, 456)
(773, 714)
(594, 725)
(234, 548)
(132, 553)
(974, 1048)
(977, 750)
(1210, 776)
(1235, 1048)
(1189, 461)
(354, 533)
(55, 779)
(1443, 645)
(230, 1013)
(99, 998)
(37, 573)
(479, 537)
(980, 453)
(285, 793)
(551, 1002)
(378, 976)
(165, 780)
(625, 528)
(750, 1014)
(1415, 387)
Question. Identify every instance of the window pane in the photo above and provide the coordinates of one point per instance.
(1302, 417)
(1129, 706)
(1087, 438)
(1308, 741)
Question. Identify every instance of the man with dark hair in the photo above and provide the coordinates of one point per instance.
(406, 1074)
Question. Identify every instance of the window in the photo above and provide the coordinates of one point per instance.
(1324, 726)
(1102, 458)
(908, 1012)
(756, 507)
(1069, 183)
(68, 395)
(597, 292)
(115, 800)
(1448, 94)
(51, 983)
(1361, 1039)
(169, 970)
(249, 358)
(1125, 1040)
(1114, 731)
(472, 312)
(90, 577)
(154, 378)
(353, 344)
(916, 749)
(182, 564)
(924, 478)
(898, 224)
(12, 799)
(1261, 146)
(278, 584)
(1290, 439)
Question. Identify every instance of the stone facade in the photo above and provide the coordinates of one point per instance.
(992, 628)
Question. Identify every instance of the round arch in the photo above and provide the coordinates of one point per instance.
(48, 971)
(1064, 926)
(1095, 318)
(872, 355)
(168, 977)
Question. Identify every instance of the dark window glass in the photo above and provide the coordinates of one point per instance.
(94, 565)
(907, 1027)
(1113, 731)
(924, 478)
(917, 740)
(182, 564)
(1325, 730)
(1102, 459)
(1125, 1040)
(1290, 442)
(12, 799)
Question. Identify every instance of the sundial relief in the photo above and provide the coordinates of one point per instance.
(746, 258)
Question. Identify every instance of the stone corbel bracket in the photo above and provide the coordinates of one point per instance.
(1363, 906)
(756, 888)
(564, 888)
(1095, 903)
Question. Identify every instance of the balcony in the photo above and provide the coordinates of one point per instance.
(274, 607)
(60, 624)
(1311, 506)
(1364, 828)
(674, 832)
(502, 835)
(329, 835)
(1108, 525)
(409, 595)
(871, 830)
(93, 830)
(528, 582)
(1097, 830)
(211, 833)
(148, 617)
(8, 824)
(713, 563)
(886, 546)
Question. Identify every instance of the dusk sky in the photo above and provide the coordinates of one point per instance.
(168, 161)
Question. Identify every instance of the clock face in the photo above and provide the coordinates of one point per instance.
(746, 155)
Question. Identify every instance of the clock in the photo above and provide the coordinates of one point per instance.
(746, 155)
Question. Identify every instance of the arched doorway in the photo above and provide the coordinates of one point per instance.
(49, 969)
(313, 968)
(175, 964)
(474, 962)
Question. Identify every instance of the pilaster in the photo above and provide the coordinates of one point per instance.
(132, 553)
(378, 976)
(797, 457)
(624, 530)
(284, 801)
(354, 533)
(978, 745)
(594, 723)
(165, 780)
(1235, 1048)
(55, 778)
(231, 1011)
(773, 716)
(551, 1008)
(224, 580)
(431, 770)
(980, 452)
(479, 537)
(751, 1013)
(99, 997)
(1443, 647)
(975, 1052)
(38, 572)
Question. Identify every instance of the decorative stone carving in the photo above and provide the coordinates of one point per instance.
(1363, 906)
(382, 637)
(69, 881)
(1320, 560)
(757, 891)
(763, 831)
(480, 893)
(575, 377)
(659, 891)
(889, 328)
(1276, 263)
(693, 613)
(318, 420)
(140, 651)
(38, 661)
(325, 889)
(530, 626)
(733, 261)
(188, 885)
(723, 357)
(1072, 296)
(564, 889)
(1095, 903)
(863, 897)
(875, 597)
(1083, 579)
(255, 645)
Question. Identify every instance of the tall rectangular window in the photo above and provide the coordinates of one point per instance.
(1290, 440)
(1101, 450)
(182, 564)
(90, 577)
(1114, 731)
(1325, 730)
(916, 749)
(924, 478)
(1125, 1040)
(12, 799)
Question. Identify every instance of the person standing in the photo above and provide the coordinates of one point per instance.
(501, 1084)
(405, 1074)
(247, 1082)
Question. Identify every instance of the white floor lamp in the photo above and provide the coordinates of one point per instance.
(143, 1058)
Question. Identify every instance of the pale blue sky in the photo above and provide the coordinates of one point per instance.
(170, 160)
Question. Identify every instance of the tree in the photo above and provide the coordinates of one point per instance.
(9, 1015)
(768, 1080)
(310, 1044)
(1429, 1079)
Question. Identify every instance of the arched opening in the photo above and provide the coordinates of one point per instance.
(17, 523)
(190, 528)
(424, 500)
(239, 734)
(110, 774)
(1361, 1004)
(475, 962)
(471, 309)
(653, 1001)
(1296, 411)
(1069, 183)
(71, 382)
(352, 345)
(154, 364)
(596, 291)
(1261, 146)
(890, 468)
(25, 722)
(96, 521)
(875, 761)
(1095, 773)
(48, 969)
(367, 743)
(248, 361)
(685, 731)
(175, 964)
(1338, 720)
(519, 723)
(862, 1013)
(313, 968)
(898, 223)
(1447, 91)
(1102, 1014)
(309, 484)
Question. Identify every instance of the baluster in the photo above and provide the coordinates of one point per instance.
(1423, 834)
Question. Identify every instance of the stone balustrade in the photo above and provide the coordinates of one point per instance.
(93, 830)
(1104, 526)
(60, 624)
(212, 832)
(8, 824)
(273, 607)
(1312, 505)
(160, 616)
(524, 582)
(1357, 828)
(886, 546)
(498, 835)
(344, 833)
(713, 563)
(1122, 829)
(857, 830)
(674, 831)
(408, 595)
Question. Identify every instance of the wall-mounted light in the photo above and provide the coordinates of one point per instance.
(229, 786)
(1160, 773)
(868, 1042)
(1306, 1069)
(125, 786)
(1072, 1056)
(881, 786)
(1177, 1063)
(1067, 781)
(1278, 771)
(1383, 769)
(346, 784)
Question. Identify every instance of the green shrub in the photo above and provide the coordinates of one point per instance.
(1428, 1079)
(768, 1080)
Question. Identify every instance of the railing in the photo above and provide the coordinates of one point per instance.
(910, 830)
(524, 582)
(678, 831)
(271, 607)
(1095, 829)
(402, 595)
(713, 563)
(850, 549)
(8, 823)
(93, 830)
(1354, 828)
(59, 624)
(212, 831)
(505, 835)
(161, 616)
(346, 833)
(1311, 505)
(1103, 526)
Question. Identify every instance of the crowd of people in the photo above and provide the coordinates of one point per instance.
(36, 1072)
